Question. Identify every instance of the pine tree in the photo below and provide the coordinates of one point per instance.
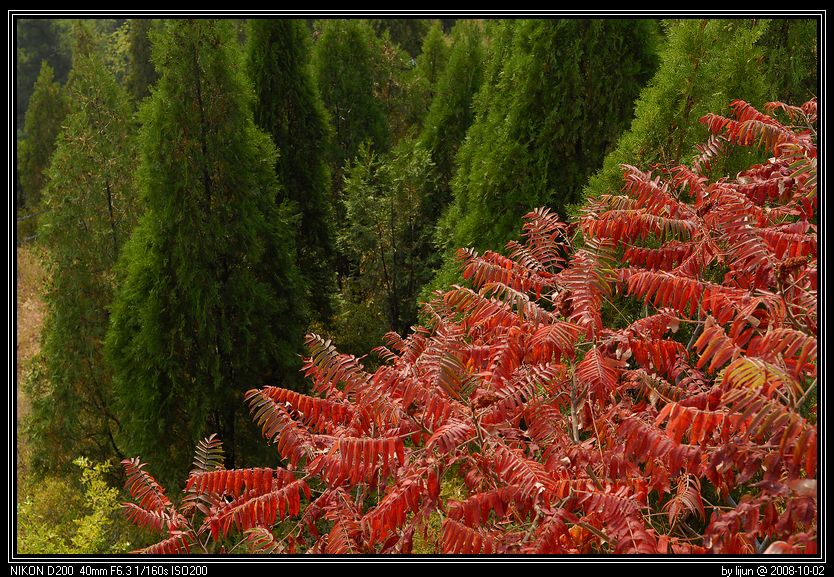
(705, 64)
(208, 301)
(556, 96)
(90, 204)
(289, 108)
(140, 71)
(47, 109)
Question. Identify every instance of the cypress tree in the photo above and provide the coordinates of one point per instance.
(343, 60)
(47, 109)
(408, 33)
(140, 71)
(557, 95)
(450, 114)
(429, 64)
(345, 72)
(388, 237)
(289, 108)
(433, 55)
(399, 88)
(208, 303)
(497, 48)
(90, 208)
(791, 59)
(38, 40)
(704, 65)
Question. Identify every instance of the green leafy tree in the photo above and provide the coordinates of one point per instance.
(140, 71)
(47, 109)
(704, 64)
(289, 108)
(557, 95)
(209, 296)
(90, 207)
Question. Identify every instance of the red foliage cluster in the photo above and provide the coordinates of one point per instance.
(689, 430)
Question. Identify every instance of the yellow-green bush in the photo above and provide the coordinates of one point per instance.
(76, 516)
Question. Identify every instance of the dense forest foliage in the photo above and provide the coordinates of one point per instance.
(622, 360)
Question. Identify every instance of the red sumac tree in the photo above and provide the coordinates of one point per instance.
(520, 419)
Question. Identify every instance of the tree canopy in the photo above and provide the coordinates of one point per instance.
(288, 107)
(209, 299)
(47, 109)
(90, 207)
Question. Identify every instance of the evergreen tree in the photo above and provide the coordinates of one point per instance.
(208, 303)
(451, 111)
(704, 65)
(399, 88)
(791, 59)
(346, 71)
(429, 64)
(288, 106)
(47, 109)
(38, 40)
(497, 47)
(388, 237)
(434, 54)
(408, 33)
(557, 95)
(343, 60)
(140, 71)
(90, 208)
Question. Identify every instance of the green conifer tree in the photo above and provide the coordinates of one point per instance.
(704, 65)
(791, 59)
(434, 54)
(557, 95)
(90, 207)
(451, 113)
(399, 88)
(208, 303)
(408, 33)
(38, 40)
(429, 65)
(288, 106)
(140, 71)
(346, 70)
(47, 109)
(387, 236)
(343, 60)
